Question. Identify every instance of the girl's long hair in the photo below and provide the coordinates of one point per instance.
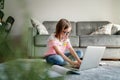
(61, 25)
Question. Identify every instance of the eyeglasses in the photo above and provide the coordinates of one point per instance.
(66, 33)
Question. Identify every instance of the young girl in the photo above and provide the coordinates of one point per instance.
(58, 43)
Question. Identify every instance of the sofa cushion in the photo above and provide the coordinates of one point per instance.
(74, 41)
(87, 27)
(41, 40)
(100, 40)
(40, 51)
(51, 26)
(110, 53)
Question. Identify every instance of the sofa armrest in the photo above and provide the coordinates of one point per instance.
(31, 34)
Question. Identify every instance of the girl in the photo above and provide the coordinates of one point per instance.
(58, 43)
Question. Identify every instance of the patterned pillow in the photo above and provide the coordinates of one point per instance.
(106, 29)
(115, 28)
(41, 29)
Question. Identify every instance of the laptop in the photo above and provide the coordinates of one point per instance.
(92, 57)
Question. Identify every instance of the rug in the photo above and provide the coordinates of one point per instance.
(100, 73)
(34, 68)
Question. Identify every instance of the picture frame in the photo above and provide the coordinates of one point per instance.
(1, 4)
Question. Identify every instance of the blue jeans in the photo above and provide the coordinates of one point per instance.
(58, 60)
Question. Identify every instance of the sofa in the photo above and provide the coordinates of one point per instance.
(80, 38)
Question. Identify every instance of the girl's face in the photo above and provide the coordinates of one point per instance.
(65, 33)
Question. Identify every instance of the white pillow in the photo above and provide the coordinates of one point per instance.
(104, 30)
(39, 26)
(117, 26)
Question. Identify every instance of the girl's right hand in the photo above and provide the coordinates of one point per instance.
(76, 64)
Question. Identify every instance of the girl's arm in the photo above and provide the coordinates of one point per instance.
(62, 54)
(72, 51)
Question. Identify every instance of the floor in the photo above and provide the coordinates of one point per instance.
(108, 70)
(36, 69)
(100, 73)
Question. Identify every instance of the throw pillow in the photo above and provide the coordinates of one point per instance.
(115, 28)
(41, 29)
(106, 29)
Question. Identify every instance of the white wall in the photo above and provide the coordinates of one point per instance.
(74, 10)
(116, 11)
(12, 8)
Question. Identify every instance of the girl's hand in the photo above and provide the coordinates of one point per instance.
(76, 64)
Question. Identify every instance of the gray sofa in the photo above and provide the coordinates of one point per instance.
(80, 38)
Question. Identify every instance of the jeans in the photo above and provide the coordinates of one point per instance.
(58, 60)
